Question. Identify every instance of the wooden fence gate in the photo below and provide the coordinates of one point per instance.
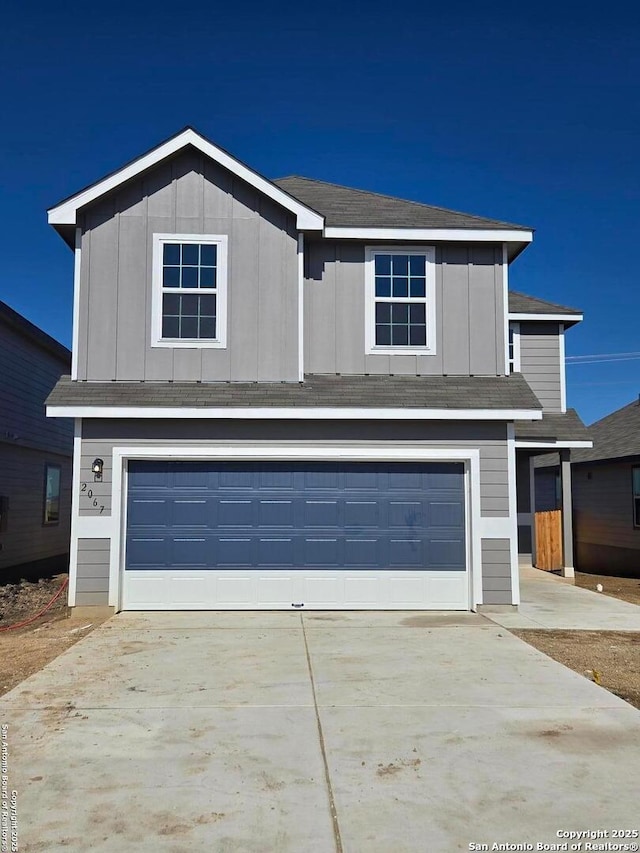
(549, 540)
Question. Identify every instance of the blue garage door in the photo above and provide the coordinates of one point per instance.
(213, 515)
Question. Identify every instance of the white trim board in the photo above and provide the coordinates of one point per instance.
(466, 235)
(429, 300)
(552, 445)
(75, 510)
(513, 514)
(567, 318)
(220, 291)
(301, 307)
(75, 346)
(65, 213)
(296, 452)
(295, 413)
(563, 371)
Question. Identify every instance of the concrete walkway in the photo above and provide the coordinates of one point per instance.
(292, 733)
(549, 602)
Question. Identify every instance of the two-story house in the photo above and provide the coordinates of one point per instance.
(291, 394)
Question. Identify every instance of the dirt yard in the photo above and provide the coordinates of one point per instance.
(610, 658)
(26, 650)
(628, 589)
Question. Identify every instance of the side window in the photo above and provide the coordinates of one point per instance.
(635, 472)
(51, 507)
(514, 347)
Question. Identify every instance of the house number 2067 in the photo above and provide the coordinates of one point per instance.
(88, 492)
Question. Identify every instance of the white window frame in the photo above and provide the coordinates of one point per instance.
(513, 364)
(429, 300)
(220, 342)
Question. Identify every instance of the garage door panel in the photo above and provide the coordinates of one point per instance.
(446, 554)
(191, 512)
(276, 513)
(235, 513)
(445, 514)
(264, 534)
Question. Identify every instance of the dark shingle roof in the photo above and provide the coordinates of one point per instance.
(352, 208)
(520, 303)
(435, 392)
(565, 426)
(34, 333)
(614, 436)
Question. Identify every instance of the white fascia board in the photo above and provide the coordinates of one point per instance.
(65, 213)
(558, 318)
(552, 445)
(295, 413)
(474, 235)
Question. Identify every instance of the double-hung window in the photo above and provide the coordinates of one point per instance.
(400, 310)
(190, 289)
(635, 473)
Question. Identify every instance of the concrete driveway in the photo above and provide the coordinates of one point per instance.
(320, 732)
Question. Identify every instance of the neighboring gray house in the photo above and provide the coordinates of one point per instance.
(35, 452)
(290, 394)
(606, 495)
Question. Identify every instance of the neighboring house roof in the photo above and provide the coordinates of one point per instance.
(521, 304)
(367, 392)
(614, 437)
(24, 327)
(554, 427)
(347, 207)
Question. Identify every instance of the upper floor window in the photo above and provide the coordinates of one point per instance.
(400, 307)
(636, 496)
(514, 347)
(189, 290)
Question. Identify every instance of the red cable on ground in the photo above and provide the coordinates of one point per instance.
(38, 615)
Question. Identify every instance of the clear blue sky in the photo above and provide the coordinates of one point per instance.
(524, 112)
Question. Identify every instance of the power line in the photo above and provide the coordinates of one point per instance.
(603, 360)
(603, 355)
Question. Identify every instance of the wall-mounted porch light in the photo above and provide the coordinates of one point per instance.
(96, 466)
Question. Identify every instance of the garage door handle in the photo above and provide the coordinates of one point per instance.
(298, 605)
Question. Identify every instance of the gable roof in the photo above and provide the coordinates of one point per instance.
(35, 334)
(346, 207)
(615, 436)
(521, 304)
(372, 215)
(63, 215)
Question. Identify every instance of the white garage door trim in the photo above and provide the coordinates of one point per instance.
(303, 453)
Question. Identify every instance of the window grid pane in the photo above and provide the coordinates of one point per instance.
(400, 299)
(190, 267)
(189, 316)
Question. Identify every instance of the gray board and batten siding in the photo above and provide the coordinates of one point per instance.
(100, 436)
(469, 312)
(188, 194)
(540, 362)
(30, 365)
